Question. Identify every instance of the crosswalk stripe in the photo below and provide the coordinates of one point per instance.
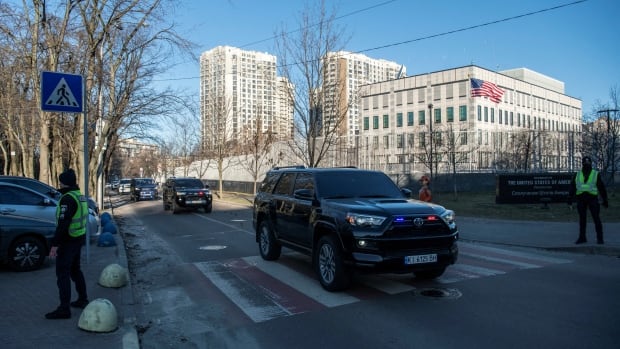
(246, 296)
(265, 290)
(310, 287)
(470, 248)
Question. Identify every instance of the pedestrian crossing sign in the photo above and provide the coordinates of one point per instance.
(61, 92)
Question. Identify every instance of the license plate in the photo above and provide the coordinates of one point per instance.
(195, 201)
(422, 258)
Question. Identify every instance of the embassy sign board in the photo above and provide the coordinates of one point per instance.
(532, 188)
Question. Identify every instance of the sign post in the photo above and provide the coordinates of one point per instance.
(64, 93)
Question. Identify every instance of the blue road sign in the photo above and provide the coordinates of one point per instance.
(61, 92)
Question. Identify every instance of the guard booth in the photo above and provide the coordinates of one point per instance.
(532, 188)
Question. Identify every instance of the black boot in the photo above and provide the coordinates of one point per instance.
(581, 241)
(59, 314)
(80, 303)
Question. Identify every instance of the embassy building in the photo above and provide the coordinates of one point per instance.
(468, 119)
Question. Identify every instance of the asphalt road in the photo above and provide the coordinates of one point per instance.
(199, 282)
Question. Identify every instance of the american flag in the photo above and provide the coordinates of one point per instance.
(487, 89)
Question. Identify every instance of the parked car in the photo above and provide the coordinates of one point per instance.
(24, 241)
(124, 186)
(350, 219)
(22, 201)
(143, 188)
(186, 193)
(33, 184)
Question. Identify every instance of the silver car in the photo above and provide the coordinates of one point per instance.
(22, 201)
(124, 186)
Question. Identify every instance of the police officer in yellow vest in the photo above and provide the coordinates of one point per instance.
(586, 187)
(72, 220)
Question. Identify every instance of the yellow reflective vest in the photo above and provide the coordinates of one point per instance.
(80, 218)
(589, 186)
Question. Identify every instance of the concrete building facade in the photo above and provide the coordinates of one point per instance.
(345, 73)
(532, 126)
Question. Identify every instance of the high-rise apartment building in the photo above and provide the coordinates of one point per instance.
(345, 73)
(240, 95)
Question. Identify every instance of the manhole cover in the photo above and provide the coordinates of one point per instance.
(439, 292)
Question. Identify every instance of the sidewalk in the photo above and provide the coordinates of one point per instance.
(554, 236)
(28, 296)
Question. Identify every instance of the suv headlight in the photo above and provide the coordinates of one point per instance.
(363, 220)
(449, 217)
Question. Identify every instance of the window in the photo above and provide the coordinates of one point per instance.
(400, 140)
(479, 113)
(410, 140)
(486, 114)
(438, 116)
(399, 119)
(285, 185)
(421, 140)
(421, 95)
(500, 116)
(463, 138)
(492, 115)
(463, 113)
(386, 121)
(410, 118)
(375, 122)
(386, 142)
(450, 114)
(366, 123)
(421, 118)
(304, 181)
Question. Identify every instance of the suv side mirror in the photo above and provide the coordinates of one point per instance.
(406, 192)
(304, 194)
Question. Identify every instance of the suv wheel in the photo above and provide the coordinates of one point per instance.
(175, 207)
(329, 265)
(208, 208)
(26, 254)
(429, 274)
(269, 248)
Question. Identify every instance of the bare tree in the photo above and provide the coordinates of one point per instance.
(319, 101)
(255, 151)
(117, 46)
(456, 147)
(601, 136)
(219, 142)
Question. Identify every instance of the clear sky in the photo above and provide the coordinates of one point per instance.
(578, 44)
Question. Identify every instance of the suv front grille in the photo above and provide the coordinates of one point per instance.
(404, 227)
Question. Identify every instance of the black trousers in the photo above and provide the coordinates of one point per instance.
(583, 204)
(67, 269)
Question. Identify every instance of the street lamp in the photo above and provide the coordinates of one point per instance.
(430, 119)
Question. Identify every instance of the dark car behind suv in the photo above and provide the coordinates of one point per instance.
(143, 189)
(181, 193)
(351, 219)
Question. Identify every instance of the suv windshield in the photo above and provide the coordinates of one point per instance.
(189, 183)
(145, 181)
(356, 184)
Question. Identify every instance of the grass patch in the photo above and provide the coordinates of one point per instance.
(482, 204)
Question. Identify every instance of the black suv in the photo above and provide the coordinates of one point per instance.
(142, 189)
(348, 218)
(186, 193)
